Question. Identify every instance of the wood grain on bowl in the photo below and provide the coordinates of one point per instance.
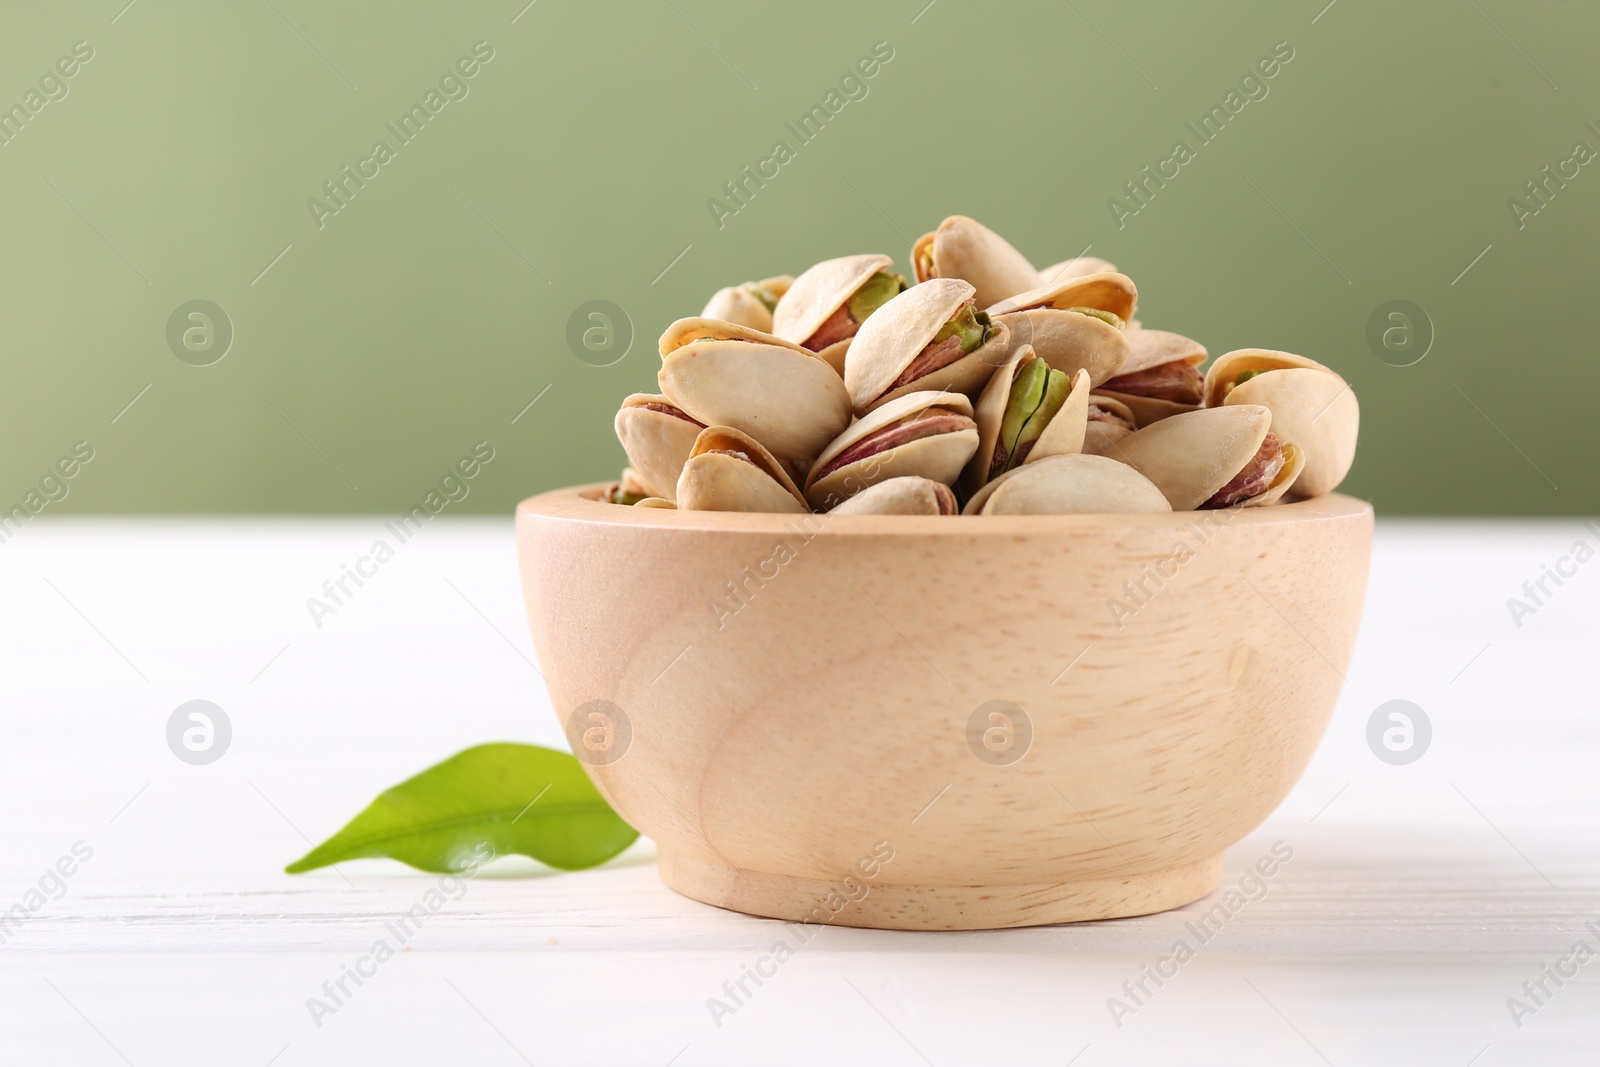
(919, 722)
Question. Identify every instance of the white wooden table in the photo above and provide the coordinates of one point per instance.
(1419, 899)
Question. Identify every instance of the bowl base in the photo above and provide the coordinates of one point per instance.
(938, 907)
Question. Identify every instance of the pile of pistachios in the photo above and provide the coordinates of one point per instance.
(987, 387)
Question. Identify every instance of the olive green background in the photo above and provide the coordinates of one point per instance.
(433, 308)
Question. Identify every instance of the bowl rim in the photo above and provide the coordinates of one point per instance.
(571, 504)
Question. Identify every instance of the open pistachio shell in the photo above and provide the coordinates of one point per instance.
(896, 334)
(1069, 485)
(789, 399)
(656, 502)
(1042, 434)
(1294, 462)
(728, 470)
(1191, 456)
(907, 495)
(1148, 350)
(749, 304)
(1106, 291)
(657, 435)
(945, 444)
(965, 249)
(1311, 406)
(1076, 323)
(1108, 421)
(821, 291)
(1077, 267)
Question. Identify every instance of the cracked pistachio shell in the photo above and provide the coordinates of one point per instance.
(740, 305)
(1294, 462)
(1192, 455)
(906, 495)
(940, 457)
(785, 397)
(969, 250)
(1101, 435)
(897, 333)
(656, 442)
(1152, 348)
(1063, 435)
(1106, 291)
(1069, 485)
(820, 291)
(1077, 267)
(656, 502)
(1311, 406)
(712, 480)
(1070, 340)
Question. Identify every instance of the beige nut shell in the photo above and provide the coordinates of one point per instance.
(1192, 455)
(967, 249)
(1069, 485)
(1069, 341)
(1076, 267)
(820, 291)
(789, 399)
(1106, 291)
(1311, 406)
(1063, 436)
(897, 332)
(656, 443)
(712, 481)
(1099, 436)
(906, 495)
(940, 458)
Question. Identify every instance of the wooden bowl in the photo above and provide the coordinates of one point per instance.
(926, 723)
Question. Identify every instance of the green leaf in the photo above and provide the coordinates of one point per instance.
(486, 801)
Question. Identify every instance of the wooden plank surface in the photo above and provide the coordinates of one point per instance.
(1419, 898)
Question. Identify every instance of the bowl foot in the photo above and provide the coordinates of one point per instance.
(889, 906)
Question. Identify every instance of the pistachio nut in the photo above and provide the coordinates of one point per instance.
(1029, 410)
(749, 304)
(657, 435)
(628, 489)
(906, 495)
(1074, 324)
(1213, 457)
(1108, 421)
(728, 470)
(655, 502)
(965, 249)
(1073, 484)
(1161, 376)
(720, 374)
(1311, 405)
(825, 307)
(1076, 267)
(929, 434)
(932, 336)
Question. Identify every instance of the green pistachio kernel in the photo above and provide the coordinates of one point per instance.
(763, 294)
(1104, 316)
(620, 495)
(1038, 393)
(877, 291)
(1243, 376)
(970, 325)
